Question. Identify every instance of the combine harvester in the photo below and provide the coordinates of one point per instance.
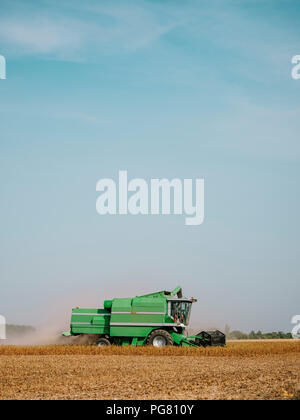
(158, 319)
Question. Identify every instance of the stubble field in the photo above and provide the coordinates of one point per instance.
(241, 370)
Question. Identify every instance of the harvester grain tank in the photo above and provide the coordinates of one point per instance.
(157, 319)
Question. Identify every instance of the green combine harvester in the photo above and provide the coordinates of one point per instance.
(158, 319)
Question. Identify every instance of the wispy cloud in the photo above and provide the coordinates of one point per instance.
(41, 35)
(67, 36)
(76, 30)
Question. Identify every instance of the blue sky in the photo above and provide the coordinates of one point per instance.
(163, 89)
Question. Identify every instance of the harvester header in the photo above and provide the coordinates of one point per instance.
(157, 319)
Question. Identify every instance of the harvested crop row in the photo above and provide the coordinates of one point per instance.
(232, 349)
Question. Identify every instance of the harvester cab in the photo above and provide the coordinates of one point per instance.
(156, 319)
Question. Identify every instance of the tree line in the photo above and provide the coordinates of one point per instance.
(259, 335)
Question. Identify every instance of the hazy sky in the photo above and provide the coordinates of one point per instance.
(186, 89)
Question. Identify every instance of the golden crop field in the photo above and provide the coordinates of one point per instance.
(241, 370)
(244, 348)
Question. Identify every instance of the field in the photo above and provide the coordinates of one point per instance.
(242, 370)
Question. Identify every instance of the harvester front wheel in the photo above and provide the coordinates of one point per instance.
(160, 338)
(103, 342)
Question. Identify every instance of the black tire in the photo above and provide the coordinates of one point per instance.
(160, 338)
(103, 342)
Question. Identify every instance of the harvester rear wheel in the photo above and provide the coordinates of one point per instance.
(160, 338)
(103, 342)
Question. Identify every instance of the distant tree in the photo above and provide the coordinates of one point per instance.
(252, 335)
(227, 330)
(238, 335)
(259, 335)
